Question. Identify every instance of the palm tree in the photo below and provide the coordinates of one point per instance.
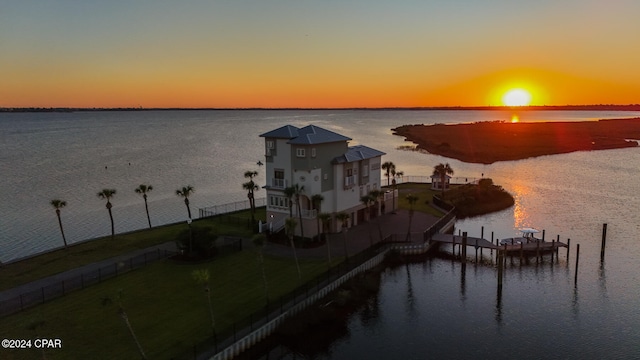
(185, 192)
(123, 315)
(376, 195)
(298, 191)
(202, 277)
(395, 174)
(289, 192)
(144, 189)
(317, 200)
(367, 200)
(389, 168)
(107, 194)
(290, 228)
(325, 218)
(250, 186)
(412, 199)
(59, 204)
(344, 219)
(442, 170)
(259, 241)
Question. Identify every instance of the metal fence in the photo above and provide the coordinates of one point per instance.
(230, 207)
(61, 288)
(427, 179)
(275, 308)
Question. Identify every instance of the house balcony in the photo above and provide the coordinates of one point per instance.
(309, 214)
(278, 183)
(349, 181)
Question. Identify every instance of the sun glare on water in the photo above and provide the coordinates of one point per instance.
(516, 97)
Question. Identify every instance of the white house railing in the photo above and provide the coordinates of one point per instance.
(278, 183)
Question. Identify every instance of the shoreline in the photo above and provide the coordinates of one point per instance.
(488, 142)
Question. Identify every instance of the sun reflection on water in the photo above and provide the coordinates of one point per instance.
(521, 217)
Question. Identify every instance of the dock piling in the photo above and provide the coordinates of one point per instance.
(491, 252)
(604, 241)
(568, 245)
(575, 280)
(521, 253)
(500, 261)
(464, 247)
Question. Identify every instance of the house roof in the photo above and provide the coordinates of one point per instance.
(357, 153)
(285, 132)
(307, 135)
(312, 134)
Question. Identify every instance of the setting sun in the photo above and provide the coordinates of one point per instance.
(516, 97)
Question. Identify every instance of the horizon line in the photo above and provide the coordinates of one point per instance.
(631, 107)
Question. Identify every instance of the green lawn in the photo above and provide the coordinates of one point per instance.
(28, 270)
(166, 308)
(425, 198)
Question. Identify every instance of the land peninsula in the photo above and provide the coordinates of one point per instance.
(488, 142)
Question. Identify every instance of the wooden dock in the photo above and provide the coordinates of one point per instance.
(523, 250)
(457, 240)
(486, 244)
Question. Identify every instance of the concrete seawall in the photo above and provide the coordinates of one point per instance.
(267, 329)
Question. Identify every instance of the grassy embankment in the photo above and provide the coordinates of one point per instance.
(167, 309)
(425, 198)
(473, 200)
(95, 250)
(469, 199)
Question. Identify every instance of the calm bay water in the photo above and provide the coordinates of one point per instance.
(429, 308)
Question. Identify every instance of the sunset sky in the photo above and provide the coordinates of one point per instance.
(302, 53)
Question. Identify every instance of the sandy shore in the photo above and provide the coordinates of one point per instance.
(488, 142)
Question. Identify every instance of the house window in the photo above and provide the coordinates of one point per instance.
(278, 202)
(365, 170)
(271, 147)
(313, 152)
(300, 152)
(349, 180)
(278, 179)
